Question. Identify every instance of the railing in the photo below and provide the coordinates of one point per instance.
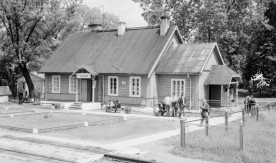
(247, 110)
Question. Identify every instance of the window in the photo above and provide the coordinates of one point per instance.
(113, 85)
(178, 87)
(55, 84)
(135, 86)
(72, 84)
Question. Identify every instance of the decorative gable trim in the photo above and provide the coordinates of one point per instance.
(209, 55)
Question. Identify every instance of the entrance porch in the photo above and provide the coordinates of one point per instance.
(223, 86)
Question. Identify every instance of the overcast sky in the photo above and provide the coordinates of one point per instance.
(127, 10)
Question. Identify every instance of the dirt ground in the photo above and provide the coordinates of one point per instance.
(134, 127)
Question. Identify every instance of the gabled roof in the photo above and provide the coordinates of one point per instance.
(134, 52)
(5, 91)
(187, 58)
(221, 75)
(88, 68)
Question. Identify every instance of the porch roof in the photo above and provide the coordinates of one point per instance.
(89, 68)
(221, 75)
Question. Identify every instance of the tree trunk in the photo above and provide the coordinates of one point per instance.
(25, 73)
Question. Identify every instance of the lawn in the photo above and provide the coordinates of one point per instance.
(134, 127)
(222, 146)
(47, 120)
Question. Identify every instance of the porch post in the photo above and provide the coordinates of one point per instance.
(228, 96)
(77, 90)
(93, 86)
(237, 94)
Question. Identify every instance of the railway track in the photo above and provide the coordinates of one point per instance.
(126, 159)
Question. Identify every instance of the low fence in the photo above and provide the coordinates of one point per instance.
(248, 110)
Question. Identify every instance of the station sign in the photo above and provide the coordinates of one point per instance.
(83, 76)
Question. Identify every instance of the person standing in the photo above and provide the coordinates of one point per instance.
(252, 103)
(205, 111)
(181, 104)
(174, 105)
(20, 97)
(167, 102)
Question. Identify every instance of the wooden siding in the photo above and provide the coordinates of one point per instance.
(64, 94)
(164, 86)
(123, 90)
(213, 60)
(203, 90)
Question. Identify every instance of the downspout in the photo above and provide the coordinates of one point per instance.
(103, 90)
(188, 75)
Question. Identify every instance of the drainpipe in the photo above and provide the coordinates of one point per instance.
(190, 91)
(103, 90)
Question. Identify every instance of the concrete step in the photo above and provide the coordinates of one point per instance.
(76, 105)
(49, 151)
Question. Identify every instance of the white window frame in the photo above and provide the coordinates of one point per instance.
(117, 86)
(54, 76)
(178, 93)
(131, 85)
(70, 84)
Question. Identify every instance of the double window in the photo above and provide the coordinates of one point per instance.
(135, 86)
(72, 84)
(56, 84)
(113, 85)
(178, 87)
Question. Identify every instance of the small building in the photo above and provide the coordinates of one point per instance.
(5, 92)
(138, 66)
(38, 81)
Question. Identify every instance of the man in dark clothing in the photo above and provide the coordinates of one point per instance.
(252, 103)
(205, 111)
(182, 104)
(162, 108)
(20, 97)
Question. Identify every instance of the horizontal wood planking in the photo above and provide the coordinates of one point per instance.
(123, 90)
(61, 97)
(164, 86)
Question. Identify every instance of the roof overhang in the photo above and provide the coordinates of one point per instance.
(85, 69)
(222, 75)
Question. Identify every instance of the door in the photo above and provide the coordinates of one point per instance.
(86, 90)
(215, 95)
(83, 90)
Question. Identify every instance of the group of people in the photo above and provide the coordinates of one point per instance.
(113, 105)
(172, 106)
(249, 105)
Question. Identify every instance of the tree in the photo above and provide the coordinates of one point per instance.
(230, 23)
(262, 57)
(31, 28)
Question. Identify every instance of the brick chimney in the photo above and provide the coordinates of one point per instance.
(121, 28)
(165, 25)
(95, 27)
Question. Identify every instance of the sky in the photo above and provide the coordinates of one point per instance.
(126, 10)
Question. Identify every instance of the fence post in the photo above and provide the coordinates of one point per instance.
(257, 110)
(243, 112)
(226, 120)
(183, 131)
(241, 135)
(207, 124)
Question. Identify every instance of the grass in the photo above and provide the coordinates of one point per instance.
(47, 120)
(133, 127)
(222, 146)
